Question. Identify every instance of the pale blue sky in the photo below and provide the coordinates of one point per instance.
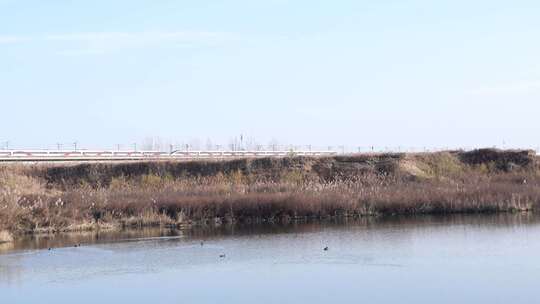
(387, 73)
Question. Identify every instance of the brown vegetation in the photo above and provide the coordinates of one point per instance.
(86, 196)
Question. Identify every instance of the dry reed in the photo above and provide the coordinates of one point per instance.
(405, 184)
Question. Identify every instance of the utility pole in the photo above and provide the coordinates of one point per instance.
(241, 142)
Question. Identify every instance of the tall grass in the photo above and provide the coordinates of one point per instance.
(423, 184)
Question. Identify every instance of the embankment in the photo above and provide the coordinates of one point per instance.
(50, 198)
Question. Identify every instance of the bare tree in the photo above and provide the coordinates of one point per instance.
(153, 143)
(209, 145)
(195, 144)
(273, 144)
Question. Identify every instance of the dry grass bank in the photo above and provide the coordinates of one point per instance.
(87, 196)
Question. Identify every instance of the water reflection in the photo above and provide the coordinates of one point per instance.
(482, 221)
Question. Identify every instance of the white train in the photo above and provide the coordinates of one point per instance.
(89, 155)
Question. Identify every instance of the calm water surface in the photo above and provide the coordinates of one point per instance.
(467, 259)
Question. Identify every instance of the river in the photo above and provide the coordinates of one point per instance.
(428, 259)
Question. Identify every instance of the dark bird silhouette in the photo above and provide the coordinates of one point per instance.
(202, 243)
(325, 248)
(49, 248)
(222, 255)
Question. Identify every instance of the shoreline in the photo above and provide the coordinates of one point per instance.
(204, 228)
(136, 224)
(6, 236)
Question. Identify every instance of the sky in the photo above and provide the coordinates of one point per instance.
(409, 73)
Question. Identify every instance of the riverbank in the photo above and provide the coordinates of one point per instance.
(56, 198)
(5, 236)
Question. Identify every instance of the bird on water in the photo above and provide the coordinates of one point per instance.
(325, 248)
